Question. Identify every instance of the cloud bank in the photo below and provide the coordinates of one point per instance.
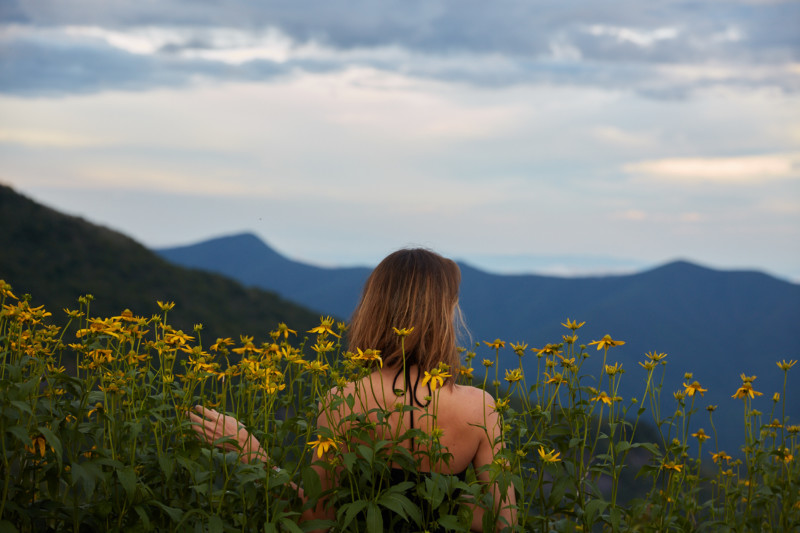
(663, 50)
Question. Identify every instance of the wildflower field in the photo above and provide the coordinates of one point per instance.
(95, 435)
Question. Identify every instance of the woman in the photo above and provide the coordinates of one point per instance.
(408, 312)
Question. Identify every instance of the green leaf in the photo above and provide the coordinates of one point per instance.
(53, 441)
(127, 478)
(174, 513)
(290, 525)
(394, 502)
(21, 433)
(593, 509)
(350, 511)
(374, 518)
(215, 524)
(449, 521)
(311, 483)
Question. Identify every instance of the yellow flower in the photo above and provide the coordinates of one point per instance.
(612, 370)
(557, 379)
(39, 443)
(403, 332)
(496, 344)
(794, 429)
(323, 444)
(573, 324)
(466, 371)
(487, 363)
(672, 466)
(655, 357)
(436, 377)
(323, 346)
(701, 435)
(720, 456)
(501, 405)
(325, 324)
(647, 365)
(784, 365)
(746, 378)
(775, 424)
(317, 367)
(284, 330)
(512, 376)
(606, 342)
(602, 397)
(783, 454)
(519, 348)
(5, 290)
(549, 457)
(368, 356)
(746, 390)
(165, 306)
(694, 387)
(776, 397)
(551, 349)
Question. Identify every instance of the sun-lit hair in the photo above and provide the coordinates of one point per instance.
(410, 288)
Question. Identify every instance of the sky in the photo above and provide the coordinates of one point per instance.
(570, 138)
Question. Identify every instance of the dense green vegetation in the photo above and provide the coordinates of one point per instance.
(110, 447)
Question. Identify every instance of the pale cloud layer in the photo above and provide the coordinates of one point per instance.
(625, 134)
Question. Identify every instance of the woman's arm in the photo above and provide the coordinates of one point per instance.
(489, 447)
(226, 433)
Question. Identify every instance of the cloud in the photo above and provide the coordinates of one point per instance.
(727, 170)
(662, 51)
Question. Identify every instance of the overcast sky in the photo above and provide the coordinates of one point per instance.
(560, 137)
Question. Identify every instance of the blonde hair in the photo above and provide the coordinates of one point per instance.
(411, 288)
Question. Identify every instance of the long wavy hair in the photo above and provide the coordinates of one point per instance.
(410, 288)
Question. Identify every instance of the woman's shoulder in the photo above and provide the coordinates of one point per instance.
(471, 402)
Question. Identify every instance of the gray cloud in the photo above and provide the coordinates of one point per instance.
(621, 45)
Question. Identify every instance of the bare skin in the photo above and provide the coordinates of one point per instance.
(469, 426)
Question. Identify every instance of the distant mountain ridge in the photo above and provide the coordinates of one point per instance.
(714, 324)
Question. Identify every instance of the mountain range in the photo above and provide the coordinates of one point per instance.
(713, 324)
(57, 258)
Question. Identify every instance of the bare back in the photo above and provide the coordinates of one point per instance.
(463, 415)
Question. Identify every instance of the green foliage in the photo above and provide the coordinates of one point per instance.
(110, 447)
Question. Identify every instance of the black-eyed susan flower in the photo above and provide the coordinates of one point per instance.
(325, 327)
(720, 456)
(435, 377)
(573, 324)
(549, 457)
(38, 445)
(323, 444)
(746, 390)
(519, 348)
(602, 397)
(284, 330)
(671, 465)
(512, 376)
(495, 344)
(694, 387)
(655, 357)
(556, 379)
(403, 332)
(368, 356)
(606, 342)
